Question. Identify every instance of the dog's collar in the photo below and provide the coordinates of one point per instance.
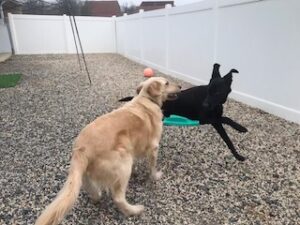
(152, 100)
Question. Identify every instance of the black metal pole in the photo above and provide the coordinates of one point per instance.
(82, 53)
(79, 40)
(78, 58)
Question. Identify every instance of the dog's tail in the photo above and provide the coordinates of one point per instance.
(66, 198)
(126, 99)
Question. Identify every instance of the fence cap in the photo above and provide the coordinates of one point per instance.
(168, 6)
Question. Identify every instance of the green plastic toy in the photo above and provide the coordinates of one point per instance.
(175, 120)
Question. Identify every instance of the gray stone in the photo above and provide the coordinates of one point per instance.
(202, 182)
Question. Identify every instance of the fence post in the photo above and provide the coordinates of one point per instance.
(141, 35)
(167, 7)
(13, 33)
(66, 22)
(114, 20)
(125, 38)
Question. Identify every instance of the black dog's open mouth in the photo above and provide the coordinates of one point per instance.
(172, 96)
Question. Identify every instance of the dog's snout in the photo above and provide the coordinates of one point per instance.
(179, 86)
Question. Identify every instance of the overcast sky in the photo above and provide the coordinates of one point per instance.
(177, 2)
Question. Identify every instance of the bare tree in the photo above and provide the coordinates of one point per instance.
(129, 8)
(35, 7)
(59, 7)
(69, 7)
(85, 9)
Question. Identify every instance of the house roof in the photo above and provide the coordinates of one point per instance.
(103, 8)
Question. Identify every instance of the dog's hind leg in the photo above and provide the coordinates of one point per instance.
(152, 157)
(118, 189)
(234, 124)
(91, 188)
(220, 129)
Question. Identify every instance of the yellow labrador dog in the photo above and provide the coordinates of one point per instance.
(104, 151)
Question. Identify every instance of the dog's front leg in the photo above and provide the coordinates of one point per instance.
(153, 153)
(233, 124)
(220, 129)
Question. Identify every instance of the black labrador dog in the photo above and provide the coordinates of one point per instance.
(205, 104)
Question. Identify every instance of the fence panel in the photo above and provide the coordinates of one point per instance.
(5, 46)
(258, 37)
(35, 34)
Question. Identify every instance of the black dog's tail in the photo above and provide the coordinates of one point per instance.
(126, 99)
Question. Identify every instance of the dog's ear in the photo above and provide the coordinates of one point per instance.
(233, 71)
(228, 76)
(154, 89)
(216, 71)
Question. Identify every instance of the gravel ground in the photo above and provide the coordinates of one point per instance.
(202, 183)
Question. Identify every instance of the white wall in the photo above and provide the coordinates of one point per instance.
(5, 46)
(34, 34)
(259, 38)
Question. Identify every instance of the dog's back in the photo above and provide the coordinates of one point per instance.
(187, 104)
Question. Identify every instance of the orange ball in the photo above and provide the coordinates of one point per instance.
(148, 72)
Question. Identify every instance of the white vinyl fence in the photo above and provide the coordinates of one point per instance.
(260, 38)
(34, 34)
(5, 46)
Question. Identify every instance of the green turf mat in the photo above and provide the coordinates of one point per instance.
(9, 80)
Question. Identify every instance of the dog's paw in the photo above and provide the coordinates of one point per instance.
(95, 197)
(157, 175)
(139, 209)
(134, 210)
(243, 129)
(240, 158)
